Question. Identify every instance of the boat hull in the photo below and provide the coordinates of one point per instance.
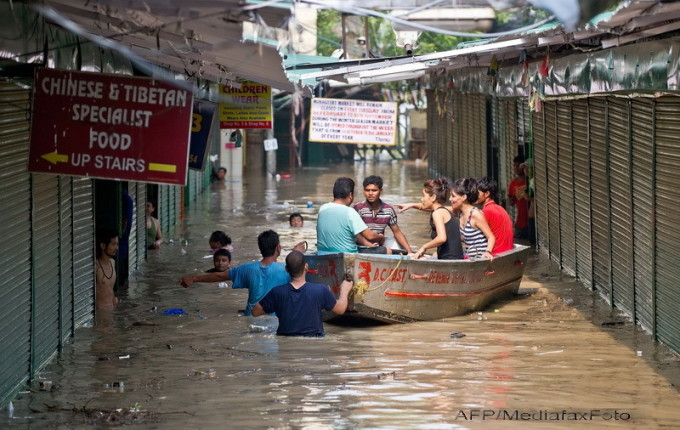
(398, 289)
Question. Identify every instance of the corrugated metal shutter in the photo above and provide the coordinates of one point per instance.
(66, 258)
(83, 250)
(667, 232)
(458, 135)
(465, 156)
(642, 129)
(584, 257)
(505, 151)
(481, 138)
(621, 204)
(552, 177)
(45, 246)
(15, 270)
(140, 214)
(565, 186)
(447, 131)
(132, 239)
(162, 208)
(599, 186)
(540, 180)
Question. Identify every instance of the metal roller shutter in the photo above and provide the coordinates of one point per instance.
(83, 250)
(505, 152)
(621, 204)
(584, 252)
(431, 130)
(466, 155)
(15, 270)
(66, 324)
(45, 246)
(642, 136)
(140, 214)
(540, 180)
(599, 187)
(163, 210)
(667, 234)
(447, 149)
(565, 186)
(458, 135)
(482, 138)
(552, 176)
(132, 239)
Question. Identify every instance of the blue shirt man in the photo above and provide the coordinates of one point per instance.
(339, 228)
(258, 277)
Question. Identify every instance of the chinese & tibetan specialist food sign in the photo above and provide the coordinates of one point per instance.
(106, 126)
(247, 107)
(353, 121)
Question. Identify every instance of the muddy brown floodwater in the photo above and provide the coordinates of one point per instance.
(555, 357)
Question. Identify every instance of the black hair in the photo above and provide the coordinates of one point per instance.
(222, 252)
(267, 241)
(439, 188)
(104, 236)
(222, 168)
(374, 180)
(295, 263)
(466, 187)
(487, 184)
(343, 187)
(519, 159)
(295, 215)
(220, 237)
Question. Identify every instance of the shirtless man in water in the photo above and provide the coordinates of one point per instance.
(107, 247)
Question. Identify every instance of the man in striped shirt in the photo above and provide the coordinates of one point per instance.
(377, 214)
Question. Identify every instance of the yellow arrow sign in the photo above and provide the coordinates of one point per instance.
(158, 167)
(54, 157)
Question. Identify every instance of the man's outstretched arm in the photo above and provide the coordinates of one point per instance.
(187, 280)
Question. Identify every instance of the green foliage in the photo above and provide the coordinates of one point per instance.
(329, 31)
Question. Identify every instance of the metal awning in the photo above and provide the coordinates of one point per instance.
(196, 38)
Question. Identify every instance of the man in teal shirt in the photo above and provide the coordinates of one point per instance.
(339, 228)
(258, 277)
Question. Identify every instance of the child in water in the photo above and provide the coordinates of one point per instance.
(221, 261)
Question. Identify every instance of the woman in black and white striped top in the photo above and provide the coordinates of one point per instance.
(474, 230)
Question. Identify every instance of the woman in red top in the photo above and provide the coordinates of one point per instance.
(496, 216)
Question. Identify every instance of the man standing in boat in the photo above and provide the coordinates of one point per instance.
(339, 228)
(377, 214)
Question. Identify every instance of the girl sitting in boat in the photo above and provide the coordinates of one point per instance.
(474, 230)
(444, 225)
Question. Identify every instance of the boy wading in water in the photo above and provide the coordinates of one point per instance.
(105, 269)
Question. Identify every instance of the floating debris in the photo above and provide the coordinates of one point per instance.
(457, 335)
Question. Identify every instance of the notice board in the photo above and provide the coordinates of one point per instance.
(109, 126)
(353, 121)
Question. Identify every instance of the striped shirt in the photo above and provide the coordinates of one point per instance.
(475, 241)
(377, 222)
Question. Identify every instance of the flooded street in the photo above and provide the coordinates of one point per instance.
(555, 357)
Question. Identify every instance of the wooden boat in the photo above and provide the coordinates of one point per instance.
(395, 288)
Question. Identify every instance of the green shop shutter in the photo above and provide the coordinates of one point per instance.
(140, 215)
(15, 229)
(621, 204)
(565, 186)
(582, 196)
(642, 135)
(83, 250)
(540, 180)
(552, 180)
(599, 190)
(132, 239)
(667, 234)
(66, 258)
(45, 246)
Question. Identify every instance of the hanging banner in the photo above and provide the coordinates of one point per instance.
(247, 107)
(106, 126)
(201, 127)
(353, 121)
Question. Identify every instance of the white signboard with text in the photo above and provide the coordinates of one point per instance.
(353, 121)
